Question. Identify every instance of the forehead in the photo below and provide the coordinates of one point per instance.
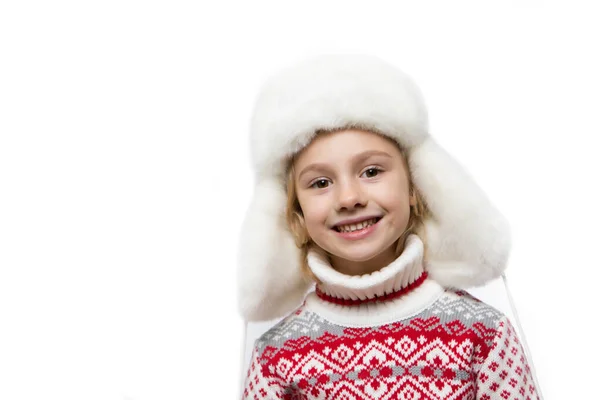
(344, 144)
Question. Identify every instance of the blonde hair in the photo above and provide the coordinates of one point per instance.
(295, 219)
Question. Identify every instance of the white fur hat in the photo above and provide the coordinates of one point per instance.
(468, 240)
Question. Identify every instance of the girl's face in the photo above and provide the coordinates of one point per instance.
(348, 175)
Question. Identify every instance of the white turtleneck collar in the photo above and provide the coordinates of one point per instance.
(404, 271)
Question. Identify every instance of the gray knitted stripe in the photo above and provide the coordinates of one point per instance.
(457, 375)
(457, 312)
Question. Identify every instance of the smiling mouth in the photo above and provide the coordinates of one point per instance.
(356, 227)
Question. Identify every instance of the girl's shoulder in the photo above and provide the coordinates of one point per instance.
(298, 324)
(461, 304)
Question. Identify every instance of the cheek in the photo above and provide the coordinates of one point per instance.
(394, 199)
(315, 211)
(391, 197)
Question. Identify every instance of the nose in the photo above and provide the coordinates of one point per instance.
(351, 195)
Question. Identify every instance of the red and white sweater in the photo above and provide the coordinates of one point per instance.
(393, 334)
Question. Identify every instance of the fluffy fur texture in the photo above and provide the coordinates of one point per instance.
(330, 92)
(468, 239)
(270, 283)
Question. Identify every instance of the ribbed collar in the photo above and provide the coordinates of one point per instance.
(404, 277)
(395, 279)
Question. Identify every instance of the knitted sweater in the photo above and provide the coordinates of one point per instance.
(393, 334)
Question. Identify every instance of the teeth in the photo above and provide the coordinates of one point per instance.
(354, 227)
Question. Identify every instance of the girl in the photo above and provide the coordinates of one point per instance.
(354, 197)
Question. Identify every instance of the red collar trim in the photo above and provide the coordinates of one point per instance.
(388, 296)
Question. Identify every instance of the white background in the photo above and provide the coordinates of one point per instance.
(124, 174)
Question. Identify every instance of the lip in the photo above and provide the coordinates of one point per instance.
(360, 234)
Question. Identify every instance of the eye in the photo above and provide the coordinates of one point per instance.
(320, 184)
(372, 172)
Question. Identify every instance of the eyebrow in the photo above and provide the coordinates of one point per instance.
(357, 158)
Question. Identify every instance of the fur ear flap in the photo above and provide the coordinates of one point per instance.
(468, 239)
(270, 282)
